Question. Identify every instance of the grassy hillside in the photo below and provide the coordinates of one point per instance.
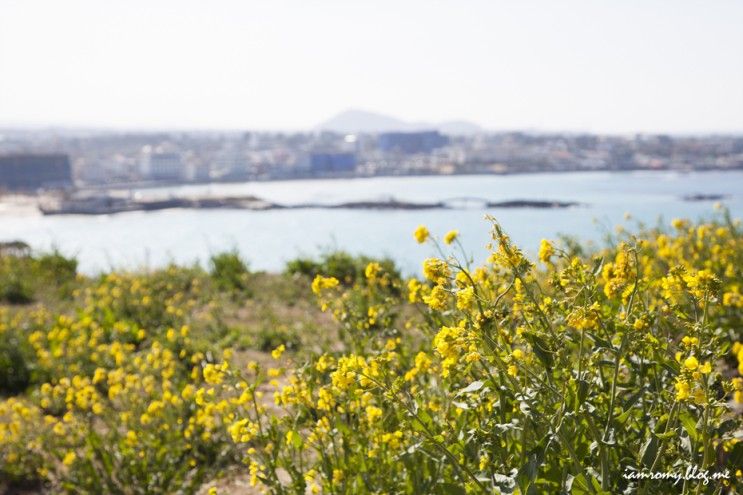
(573, 372)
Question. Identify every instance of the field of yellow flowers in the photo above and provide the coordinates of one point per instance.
(581, 371)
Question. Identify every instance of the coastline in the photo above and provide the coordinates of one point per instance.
(161, 184)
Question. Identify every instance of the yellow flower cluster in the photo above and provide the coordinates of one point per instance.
(321, 283)
(651, 318)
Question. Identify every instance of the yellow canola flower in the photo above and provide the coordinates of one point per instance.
(691, 363)
(738, 390)
(321, 283)
(372, 270)
(437, 299)
(69, 458)
(421, 234)
(213, 374)
(422, 364)
(276, 353)
(414, 290)
(131, 438)
(451, 236)
(679, 223)
(392, 440)
(243, 431)
(99, 375)
(323, 363)
(373, 413)
(337, 476)
(436, 270)
(639, 324)
(291, 435)
(465, 298)
(546, 251)
(683, 390)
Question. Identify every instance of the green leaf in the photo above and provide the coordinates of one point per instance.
(424, 417)
(582, 391)
(450, 489)
(649, 450)
(529, 471)
(577, 485)
(541, 349)
(622, 418)
(296, 440)
(666, 436)
(689, 424)
(599, 342)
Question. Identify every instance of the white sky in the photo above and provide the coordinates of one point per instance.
(626, 65)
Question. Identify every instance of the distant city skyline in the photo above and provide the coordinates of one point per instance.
(577, 66)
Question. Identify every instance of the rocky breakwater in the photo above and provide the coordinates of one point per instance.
(109, 204)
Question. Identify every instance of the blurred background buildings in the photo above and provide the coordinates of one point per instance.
(38, 159)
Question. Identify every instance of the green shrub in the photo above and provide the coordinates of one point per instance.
(14, 289)
(57, 267)
(339, 264)
(229, 271)
(15, 375)
(269, 338)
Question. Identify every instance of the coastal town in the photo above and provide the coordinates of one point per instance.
(36, 159)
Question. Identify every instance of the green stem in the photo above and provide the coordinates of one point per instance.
(610, 412)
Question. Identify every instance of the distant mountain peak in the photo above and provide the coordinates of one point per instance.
(355, 121)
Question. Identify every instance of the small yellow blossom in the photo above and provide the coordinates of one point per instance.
(69, 458)
(421, 234)
(451, 236)
(437, 298)
(436, 270)
(373, 413)
(414, 290)
(465, 298)
(691, 363)
(321, 283)
(372, 270)
(546, 251)
(683, 390)
(276, 353)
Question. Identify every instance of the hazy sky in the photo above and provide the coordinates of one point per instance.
(670, 66)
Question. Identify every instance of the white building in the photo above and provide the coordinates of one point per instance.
(162, 166)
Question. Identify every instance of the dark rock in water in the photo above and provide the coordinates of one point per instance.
(525, 203)
(705, 197)
(106, 205)
(93, 205)
(388, 205)
(162, 204)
